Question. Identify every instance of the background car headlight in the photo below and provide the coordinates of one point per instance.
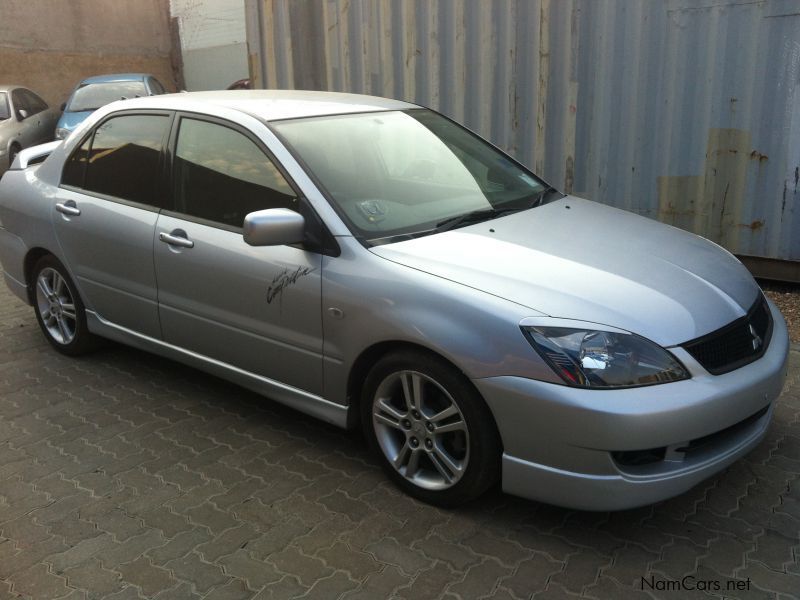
(604, 359)
(62, 134)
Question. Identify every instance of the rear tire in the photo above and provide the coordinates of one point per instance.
(59, 309)
(431, 430)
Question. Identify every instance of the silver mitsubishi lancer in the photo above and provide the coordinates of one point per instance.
(374, 264)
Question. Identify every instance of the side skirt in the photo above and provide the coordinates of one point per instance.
(311, 404)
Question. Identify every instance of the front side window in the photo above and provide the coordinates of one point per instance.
(124, 157)
(221, 175)
(398, 173)
(35, 103)
(95, 95)
(19, 103)
(4, 112)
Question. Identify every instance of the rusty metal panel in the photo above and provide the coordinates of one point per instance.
(686, 111)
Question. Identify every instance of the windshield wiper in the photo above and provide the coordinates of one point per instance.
(539, 199)
(474, 216)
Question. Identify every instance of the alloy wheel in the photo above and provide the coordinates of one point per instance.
(421, 430)
(56, 306)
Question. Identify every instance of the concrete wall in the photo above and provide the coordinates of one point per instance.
(49, 45)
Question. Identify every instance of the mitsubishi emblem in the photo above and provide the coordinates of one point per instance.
(757, 341)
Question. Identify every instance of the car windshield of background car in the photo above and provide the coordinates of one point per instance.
(95, 95)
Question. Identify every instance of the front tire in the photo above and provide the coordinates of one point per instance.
(59, 309)
(433, 433)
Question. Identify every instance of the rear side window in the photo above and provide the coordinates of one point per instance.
(75, 167)
(124, 158)
(221, 175)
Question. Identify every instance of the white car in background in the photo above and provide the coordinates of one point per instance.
(25, 120)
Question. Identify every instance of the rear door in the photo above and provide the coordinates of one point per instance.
(256, 308)
(105, 216)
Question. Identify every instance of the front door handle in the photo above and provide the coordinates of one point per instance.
(68, 208)
(176, 238)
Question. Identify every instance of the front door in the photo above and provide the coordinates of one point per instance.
(255, 308)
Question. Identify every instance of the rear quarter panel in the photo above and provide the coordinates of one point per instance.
(26, 204)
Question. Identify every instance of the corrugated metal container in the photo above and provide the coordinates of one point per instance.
(686, 111)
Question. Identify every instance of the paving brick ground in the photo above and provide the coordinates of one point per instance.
(123, 475)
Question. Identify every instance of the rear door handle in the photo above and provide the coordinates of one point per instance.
(176, 238)
(68, 208)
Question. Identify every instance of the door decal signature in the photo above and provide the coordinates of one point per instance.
(283, 280)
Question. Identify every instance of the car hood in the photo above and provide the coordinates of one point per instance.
(581, 260)
(70, 120)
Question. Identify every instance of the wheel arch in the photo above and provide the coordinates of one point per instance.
(371, 355)
(31, 258)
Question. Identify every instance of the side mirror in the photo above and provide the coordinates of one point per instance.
(63, 106)
(23, 114)
(274, 227)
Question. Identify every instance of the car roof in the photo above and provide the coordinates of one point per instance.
(115, 77)
(269, 105)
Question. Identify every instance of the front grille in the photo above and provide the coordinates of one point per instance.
(737, 344)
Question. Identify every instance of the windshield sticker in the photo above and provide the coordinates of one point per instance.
(283, 280)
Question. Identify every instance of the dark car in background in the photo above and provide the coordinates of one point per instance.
(95, 92)
(25, 120)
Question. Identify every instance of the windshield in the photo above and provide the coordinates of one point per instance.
(399, 173)
(4, 114)
(95, 95)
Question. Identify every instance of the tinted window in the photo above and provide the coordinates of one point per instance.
(4, 113)
(156, 87)
(18, 100)
(95, 95)
(221, 175)
(34, 102)
(123, 161)
(75, 167)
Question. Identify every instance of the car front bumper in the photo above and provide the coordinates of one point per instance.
(574, 447)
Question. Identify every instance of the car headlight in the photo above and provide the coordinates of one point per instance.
(62, 134)
(603, 359)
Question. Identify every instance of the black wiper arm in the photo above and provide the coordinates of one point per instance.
(475, 216)
(539, 199)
